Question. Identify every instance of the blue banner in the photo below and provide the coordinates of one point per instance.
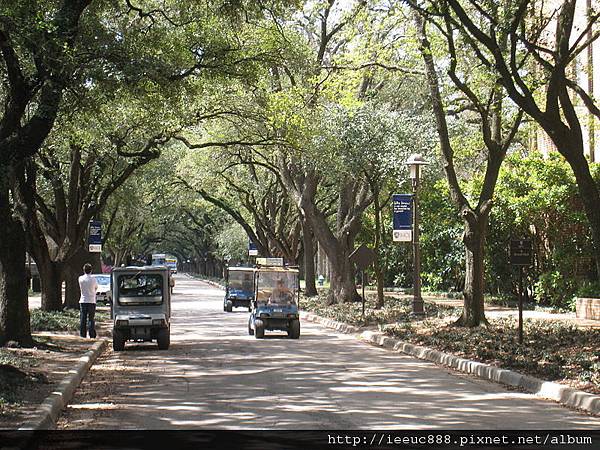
(402, 209)
(95, 236)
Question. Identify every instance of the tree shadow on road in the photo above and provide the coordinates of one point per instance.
(217, 376)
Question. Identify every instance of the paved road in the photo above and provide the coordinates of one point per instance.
(216, 376)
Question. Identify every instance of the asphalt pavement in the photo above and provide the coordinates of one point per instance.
(216, 376)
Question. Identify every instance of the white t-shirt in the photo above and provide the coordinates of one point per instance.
(87, 286)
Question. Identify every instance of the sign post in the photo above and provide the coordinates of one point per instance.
(362, 258)
(402, 207)
(521, 256)
(95, 236)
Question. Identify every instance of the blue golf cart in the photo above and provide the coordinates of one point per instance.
(275, 304)
(239, 288)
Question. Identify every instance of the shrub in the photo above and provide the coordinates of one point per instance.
(553, 289)
(589, 289)
(66, 320)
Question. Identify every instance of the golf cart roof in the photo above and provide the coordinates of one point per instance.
(141, 269)
(277, 269)
(240, 269)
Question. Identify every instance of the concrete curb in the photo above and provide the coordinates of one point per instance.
(546, 389)
(330, 323)
(49, 411)
(214, 283)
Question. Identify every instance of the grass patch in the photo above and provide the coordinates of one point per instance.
(10, 359)
(66, 320)
(551, 350)
(394, 310)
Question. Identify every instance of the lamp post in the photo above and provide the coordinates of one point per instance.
(414, 164)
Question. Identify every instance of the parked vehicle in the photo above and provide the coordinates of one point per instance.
(239, 288)
(275, 304)
(162, 259)
(103, 293)
(171, 263)
(141, 308)
(159, 259)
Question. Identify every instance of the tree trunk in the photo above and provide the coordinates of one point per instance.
(72, 293)
(309, 260)
(378, 238)
(474, 239)
(14, 307)
(352, 201)
(590, 197)
(343, 284)
(51, 280)
(379, 277)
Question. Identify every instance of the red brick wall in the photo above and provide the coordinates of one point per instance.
(588, 308)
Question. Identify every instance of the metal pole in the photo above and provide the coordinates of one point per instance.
(417, 299)
(520, 305)
(30, 279)
(363, 293)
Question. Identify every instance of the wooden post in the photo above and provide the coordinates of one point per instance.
(520, 305)
(363, 293)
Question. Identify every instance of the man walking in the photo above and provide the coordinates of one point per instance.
(87, 302)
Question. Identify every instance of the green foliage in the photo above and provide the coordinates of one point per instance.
(67, 320)
(232, 243)
(553, 289)
(395, 310)
(536, 192)
(441, 245)
(589, 289)
(397, 262)
(376, 139)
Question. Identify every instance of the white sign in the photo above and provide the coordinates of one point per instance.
(95, 248)
(270, 262)
(402, 235)
(253, 252)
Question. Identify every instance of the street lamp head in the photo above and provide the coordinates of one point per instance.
(414, 163)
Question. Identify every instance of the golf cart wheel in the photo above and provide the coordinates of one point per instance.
(259, 329)
(250, 330)
(118, 340)
(164, 339)
(294, 330)
(229, 307)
